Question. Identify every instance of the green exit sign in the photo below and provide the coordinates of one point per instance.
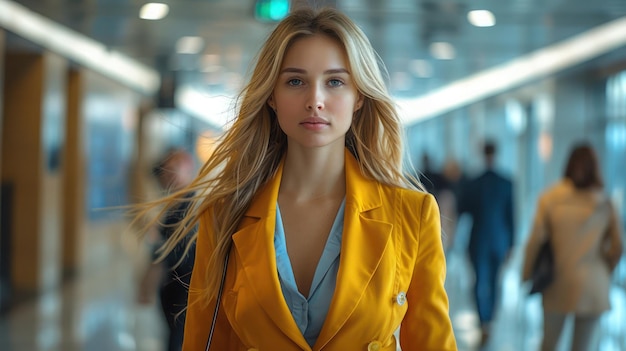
(271, 10)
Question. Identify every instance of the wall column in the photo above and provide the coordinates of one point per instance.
(21, 165)
(2, 50)
(34, 116)
(73, 180)
(5, 275)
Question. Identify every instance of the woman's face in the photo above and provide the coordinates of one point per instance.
(315, 96)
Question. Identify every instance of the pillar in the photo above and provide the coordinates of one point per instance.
(73, 179)
(32, 139)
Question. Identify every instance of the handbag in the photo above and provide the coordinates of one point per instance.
(543, 269)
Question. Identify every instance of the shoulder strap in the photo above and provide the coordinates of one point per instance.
(218, 301)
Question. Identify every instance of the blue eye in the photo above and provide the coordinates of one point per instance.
(335, 82)
(294, 82)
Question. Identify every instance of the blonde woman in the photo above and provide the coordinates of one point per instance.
(305, 211)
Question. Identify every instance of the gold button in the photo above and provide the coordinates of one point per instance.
(373, 346)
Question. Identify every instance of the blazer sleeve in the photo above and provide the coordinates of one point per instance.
(199, 310)
(427, 325)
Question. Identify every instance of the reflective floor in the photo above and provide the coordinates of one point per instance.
(95, 312)
(98, 310)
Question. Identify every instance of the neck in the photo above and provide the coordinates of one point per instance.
(311, 174)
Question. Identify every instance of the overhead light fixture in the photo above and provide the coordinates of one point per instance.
(442, 50)
(481, 18)
(153, 11)
(189, 45)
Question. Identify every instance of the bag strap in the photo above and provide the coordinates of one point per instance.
(218, 301)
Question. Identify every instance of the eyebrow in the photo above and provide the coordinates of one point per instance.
(302, 71)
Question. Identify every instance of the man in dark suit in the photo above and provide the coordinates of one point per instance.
(488, 199)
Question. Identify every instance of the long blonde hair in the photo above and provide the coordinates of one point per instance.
(251, 150)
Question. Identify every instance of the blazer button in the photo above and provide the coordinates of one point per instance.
(401, 298)
(374, 346)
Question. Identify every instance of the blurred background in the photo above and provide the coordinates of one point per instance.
(93, 91)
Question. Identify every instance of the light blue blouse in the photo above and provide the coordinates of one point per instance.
(309, 314)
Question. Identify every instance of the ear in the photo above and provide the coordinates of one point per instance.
(270, 102)
(359, 103)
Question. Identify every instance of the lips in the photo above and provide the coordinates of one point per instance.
(315, 124)
(315, 120)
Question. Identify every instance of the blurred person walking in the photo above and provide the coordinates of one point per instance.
(585, 235)
(488, 199)
(434, 182)
(170, 275)
(448, 200)
(439, 185)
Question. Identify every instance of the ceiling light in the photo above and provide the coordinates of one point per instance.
(189, 45)
(442, 50)
(153, 11)
(481, 18)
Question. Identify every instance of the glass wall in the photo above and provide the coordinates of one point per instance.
(615, 169)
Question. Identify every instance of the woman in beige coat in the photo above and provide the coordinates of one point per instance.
(585, 234)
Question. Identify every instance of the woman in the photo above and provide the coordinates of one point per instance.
(327, 245)
(585, 234)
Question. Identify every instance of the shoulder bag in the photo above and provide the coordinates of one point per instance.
(543, 267)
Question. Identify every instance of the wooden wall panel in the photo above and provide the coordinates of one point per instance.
(22, 164)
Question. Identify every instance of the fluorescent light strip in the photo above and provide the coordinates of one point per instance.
(216, 109)
(77, 47)
(540, 63)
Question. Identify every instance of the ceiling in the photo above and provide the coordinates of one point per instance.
(400, 30)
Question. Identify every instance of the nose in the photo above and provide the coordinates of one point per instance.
(316, 99)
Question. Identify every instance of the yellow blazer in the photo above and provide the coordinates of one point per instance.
(391, 274)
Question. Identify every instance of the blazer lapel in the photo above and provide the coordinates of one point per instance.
(254, 244)
(363, 244)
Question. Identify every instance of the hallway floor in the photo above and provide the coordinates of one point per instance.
(98, 312)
